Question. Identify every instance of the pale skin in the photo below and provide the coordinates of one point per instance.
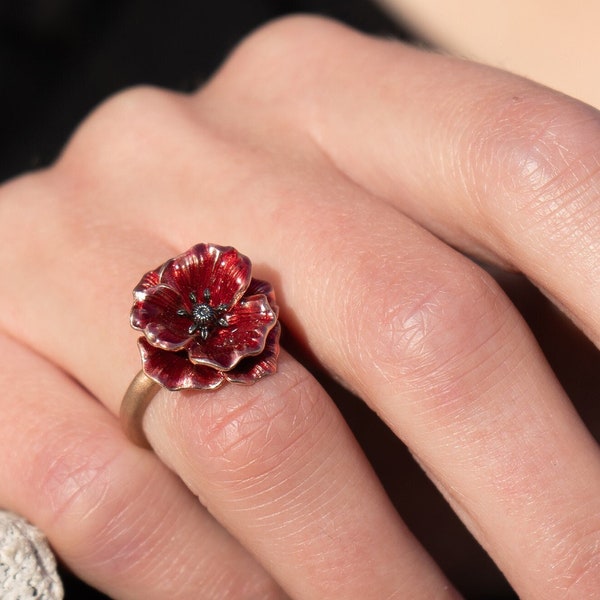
(551, 41)
(352, 171)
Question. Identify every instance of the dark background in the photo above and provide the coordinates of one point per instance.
(60, 58)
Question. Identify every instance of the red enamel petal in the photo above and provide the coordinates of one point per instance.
(173, 371)
(155, 313)
(252, 368)
(258, 286)
(149, 280)
(249, 321)
(220, 269)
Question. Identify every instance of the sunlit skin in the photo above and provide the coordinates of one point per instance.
(431, 229)
(553, 42)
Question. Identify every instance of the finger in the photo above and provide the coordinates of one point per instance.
(460, 377)
(275, 462)
(277, 465)
(115, 514)
(493, 163)
(437, 350)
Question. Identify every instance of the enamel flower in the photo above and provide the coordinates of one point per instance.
(206, 321)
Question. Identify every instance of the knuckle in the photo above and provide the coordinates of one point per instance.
(455, 318)
(73, 473)
(280, 60)
(123, 130)
(112, 162)
(282, 37)
(543, 155)
(252, 435)
(85, 490)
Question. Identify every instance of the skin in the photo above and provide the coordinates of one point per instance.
(553, 42)
(352, 170)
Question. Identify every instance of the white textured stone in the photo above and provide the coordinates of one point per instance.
(27, 565)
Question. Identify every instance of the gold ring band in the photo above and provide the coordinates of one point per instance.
(137, 398)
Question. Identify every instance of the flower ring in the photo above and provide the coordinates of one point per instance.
(205, 322)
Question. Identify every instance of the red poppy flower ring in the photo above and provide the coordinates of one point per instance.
(205, 322)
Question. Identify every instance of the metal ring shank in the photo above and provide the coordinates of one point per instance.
(137, 398)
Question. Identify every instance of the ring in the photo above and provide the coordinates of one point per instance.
(205, 322)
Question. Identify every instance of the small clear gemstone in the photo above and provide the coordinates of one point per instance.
(203, 314)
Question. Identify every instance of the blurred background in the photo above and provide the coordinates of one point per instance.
(60, 58)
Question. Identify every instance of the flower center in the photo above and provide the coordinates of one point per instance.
(203, 314)
(205, 317)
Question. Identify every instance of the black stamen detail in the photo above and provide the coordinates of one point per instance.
(205, 318)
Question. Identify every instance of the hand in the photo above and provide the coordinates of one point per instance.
(349, 169)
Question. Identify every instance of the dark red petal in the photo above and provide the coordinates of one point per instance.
(155, 313)
(149, 280)
(173, 371)
(220, 269)
(258, 286)
(252, 368)
(249, 322)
